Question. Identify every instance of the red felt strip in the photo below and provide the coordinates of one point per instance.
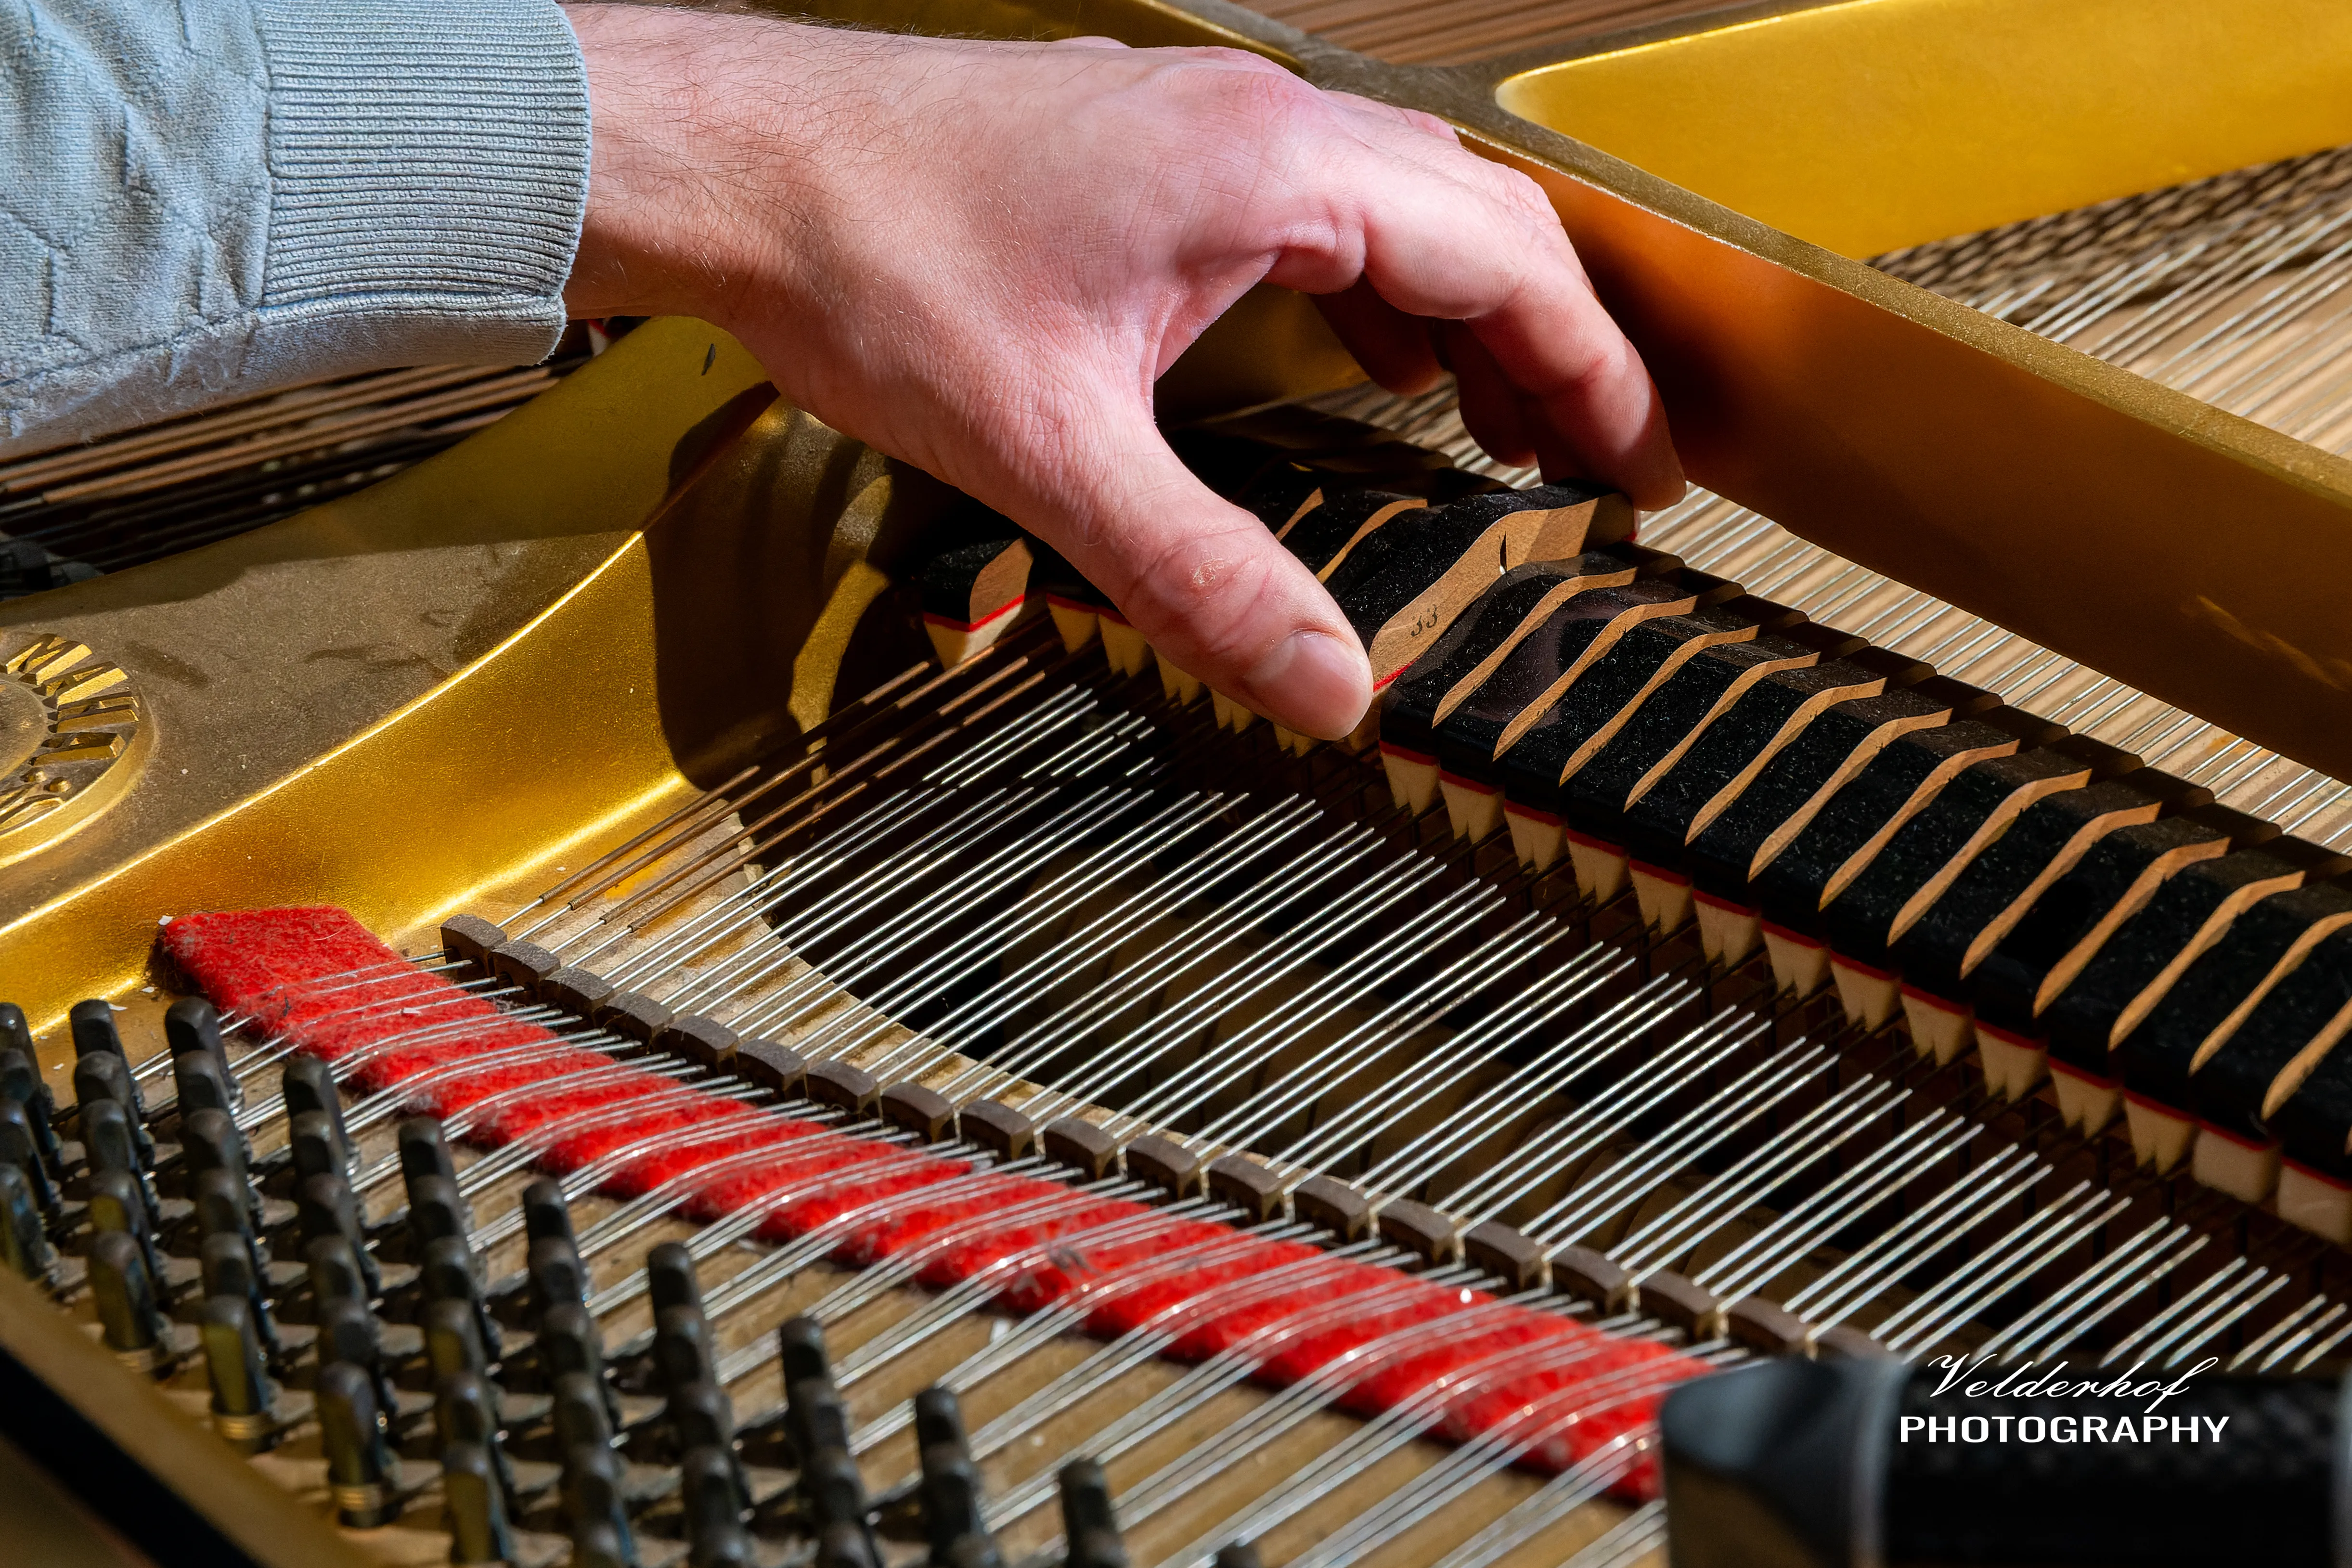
(1472, 1366)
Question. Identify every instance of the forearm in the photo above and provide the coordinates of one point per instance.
(286, 190)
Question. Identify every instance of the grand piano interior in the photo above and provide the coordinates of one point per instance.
(1006, 1104)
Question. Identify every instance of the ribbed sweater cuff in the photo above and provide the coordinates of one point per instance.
(429, 168)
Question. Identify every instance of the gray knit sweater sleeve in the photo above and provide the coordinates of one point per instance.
(201, 199)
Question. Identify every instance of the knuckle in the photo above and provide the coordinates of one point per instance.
(1203, 583)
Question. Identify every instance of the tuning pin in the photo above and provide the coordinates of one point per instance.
(466, 1410)
(950, 1495)
(602, 1545)
(201, 1083)
(308, 1084)
(360, 1467)
(939, 1420)
(349, 1332)
(571, 1343)
(436, 1213)
(453, 1342)
(594, 1503)
(317, 1151)
(1088, 1525)
(714, 1502)
(681, 1346)
(133, 1327)
(242, 1394)
(106, 1138)
(104, 1076)
(20, 1148)
(702, 1416)
(24, 1241)
(845, 1546)
(424, 1149)
(578, 1412)
(557, 1277)
(213, 1146)
(226, 1263)
(192, 1028)
(324, 1207)
(93, 1029)
(334, 1270)
(21, 1081)
(1240, 1554)
(474, 1501)
(834, 1493)
(546, 1213)
(800, 1346)
(447, 1272)
(669, 1277)
(118, 1204)
(815, 1418)
(16, 1032)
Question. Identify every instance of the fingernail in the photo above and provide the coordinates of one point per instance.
(1313, 683)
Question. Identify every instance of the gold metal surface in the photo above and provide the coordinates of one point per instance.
(379, 700)
(73, 738)
(1873, 124)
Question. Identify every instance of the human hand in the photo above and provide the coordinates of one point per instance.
(979, 258)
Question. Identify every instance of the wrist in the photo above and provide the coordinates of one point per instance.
(660, 235)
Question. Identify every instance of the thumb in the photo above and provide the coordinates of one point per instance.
(1202, 580)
